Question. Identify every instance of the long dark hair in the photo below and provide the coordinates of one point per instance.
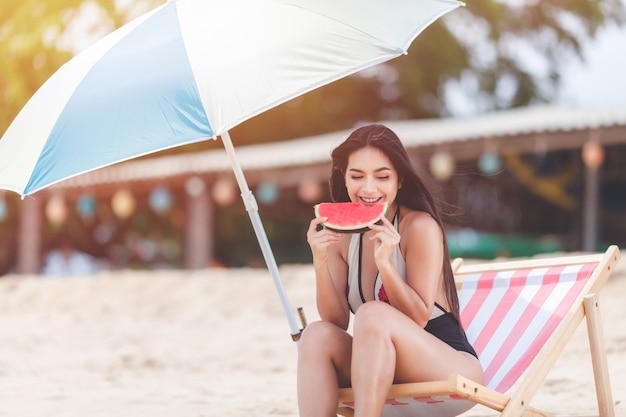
(415, 193)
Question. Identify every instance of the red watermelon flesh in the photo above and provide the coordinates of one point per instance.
(350, 217)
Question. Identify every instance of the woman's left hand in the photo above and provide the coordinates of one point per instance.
(386, 238)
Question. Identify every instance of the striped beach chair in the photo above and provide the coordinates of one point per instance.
(519, 316)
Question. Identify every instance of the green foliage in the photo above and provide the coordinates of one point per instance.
(27, 58)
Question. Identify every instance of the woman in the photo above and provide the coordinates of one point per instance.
(396, 279)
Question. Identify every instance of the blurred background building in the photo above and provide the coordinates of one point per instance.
(519, 182)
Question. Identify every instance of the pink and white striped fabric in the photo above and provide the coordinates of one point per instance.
(509, 315)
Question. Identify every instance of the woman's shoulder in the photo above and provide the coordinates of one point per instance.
(417, 221)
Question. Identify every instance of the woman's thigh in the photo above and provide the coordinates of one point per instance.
(420, 356)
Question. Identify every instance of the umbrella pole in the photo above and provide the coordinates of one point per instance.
(253, 211)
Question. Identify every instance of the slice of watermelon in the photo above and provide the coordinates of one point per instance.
(350, 217)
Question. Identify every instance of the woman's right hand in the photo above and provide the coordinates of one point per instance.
(320, 240)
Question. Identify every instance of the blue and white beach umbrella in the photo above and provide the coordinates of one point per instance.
(191, 70)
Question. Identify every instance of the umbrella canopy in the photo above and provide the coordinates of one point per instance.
(192, 69)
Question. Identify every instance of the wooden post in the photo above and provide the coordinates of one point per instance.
(30, 236)
(598, 356)
(199, 231)
(590, 209)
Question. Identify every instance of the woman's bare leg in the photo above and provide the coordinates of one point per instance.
(373, 363)
(324, 355)
(388, 347)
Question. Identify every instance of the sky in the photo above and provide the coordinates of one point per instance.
(601, 80)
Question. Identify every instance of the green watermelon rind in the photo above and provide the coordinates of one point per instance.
(355, 228)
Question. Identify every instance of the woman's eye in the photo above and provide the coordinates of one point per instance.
(356, 177)
(383, 178)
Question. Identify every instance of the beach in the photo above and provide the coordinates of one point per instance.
(212, 342)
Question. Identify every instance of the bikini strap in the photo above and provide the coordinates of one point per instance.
(440, 308)
(359, 270)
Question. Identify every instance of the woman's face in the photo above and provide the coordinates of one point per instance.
(371, 177)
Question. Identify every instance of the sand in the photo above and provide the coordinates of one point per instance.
(212, 342)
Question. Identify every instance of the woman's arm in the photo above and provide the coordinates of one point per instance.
(422, 242)
(331, 274)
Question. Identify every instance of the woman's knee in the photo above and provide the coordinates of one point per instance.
(318, 336)
(371, 317)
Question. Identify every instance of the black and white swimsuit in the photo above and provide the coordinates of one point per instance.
(441, 323)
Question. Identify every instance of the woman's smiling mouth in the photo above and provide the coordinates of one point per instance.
(370, 200)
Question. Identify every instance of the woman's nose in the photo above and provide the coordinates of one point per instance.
(370, 184)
